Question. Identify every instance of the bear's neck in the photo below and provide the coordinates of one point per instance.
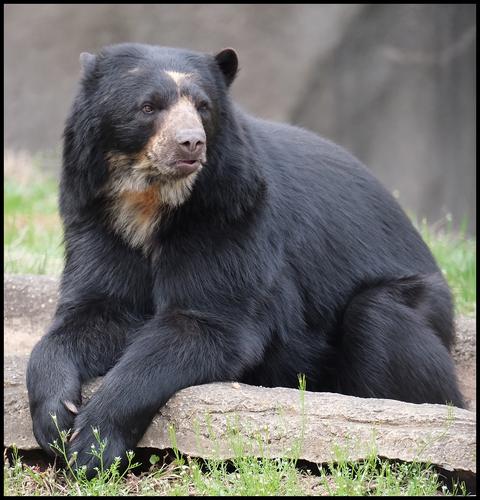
(232, 183)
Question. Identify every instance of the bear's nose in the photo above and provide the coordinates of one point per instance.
(191, 140)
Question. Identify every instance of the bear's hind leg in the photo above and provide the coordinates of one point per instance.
(393, 344)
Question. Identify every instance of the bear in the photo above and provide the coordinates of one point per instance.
(203, 244)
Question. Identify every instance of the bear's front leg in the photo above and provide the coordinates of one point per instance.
(84, 341)
(172, 351)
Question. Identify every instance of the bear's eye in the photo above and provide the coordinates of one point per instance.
(203, 106)
(147, 108)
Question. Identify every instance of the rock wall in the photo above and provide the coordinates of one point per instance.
(395, 84)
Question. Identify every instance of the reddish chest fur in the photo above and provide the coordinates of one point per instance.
(144, 205)
(135, 215)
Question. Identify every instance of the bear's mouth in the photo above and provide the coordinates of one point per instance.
(186, 167)
(188, 162)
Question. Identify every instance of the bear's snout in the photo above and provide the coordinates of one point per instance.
(191, 142)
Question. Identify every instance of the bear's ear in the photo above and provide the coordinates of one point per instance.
(227, 61)
(87, 63)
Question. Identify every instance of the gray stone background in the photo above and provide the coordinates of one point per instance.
(394, 84)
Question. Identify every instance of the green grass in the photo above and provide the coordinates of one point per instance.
(243, 476)
(456, 255)
(32, 230)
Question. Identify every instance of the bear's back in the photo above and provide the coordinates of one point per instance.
(327, 200)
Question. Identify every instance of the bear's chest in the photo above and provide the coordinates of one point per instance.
(135, 215)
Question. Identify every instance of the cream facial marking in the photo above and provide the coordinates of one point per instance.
(184, 113)
(135, 213)
(144, 186)
(177, 76)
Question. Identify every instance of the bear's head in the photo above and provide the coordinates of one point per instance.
(142, 127)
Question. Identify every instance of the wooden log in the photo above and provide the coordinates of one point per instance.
(210, 420)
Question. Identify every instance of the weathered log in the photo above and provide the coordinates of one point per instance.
(210, 421)
(28, 308)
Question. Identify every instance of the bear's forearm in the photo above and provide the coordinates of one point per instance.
(169, 354)
(90, 336)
